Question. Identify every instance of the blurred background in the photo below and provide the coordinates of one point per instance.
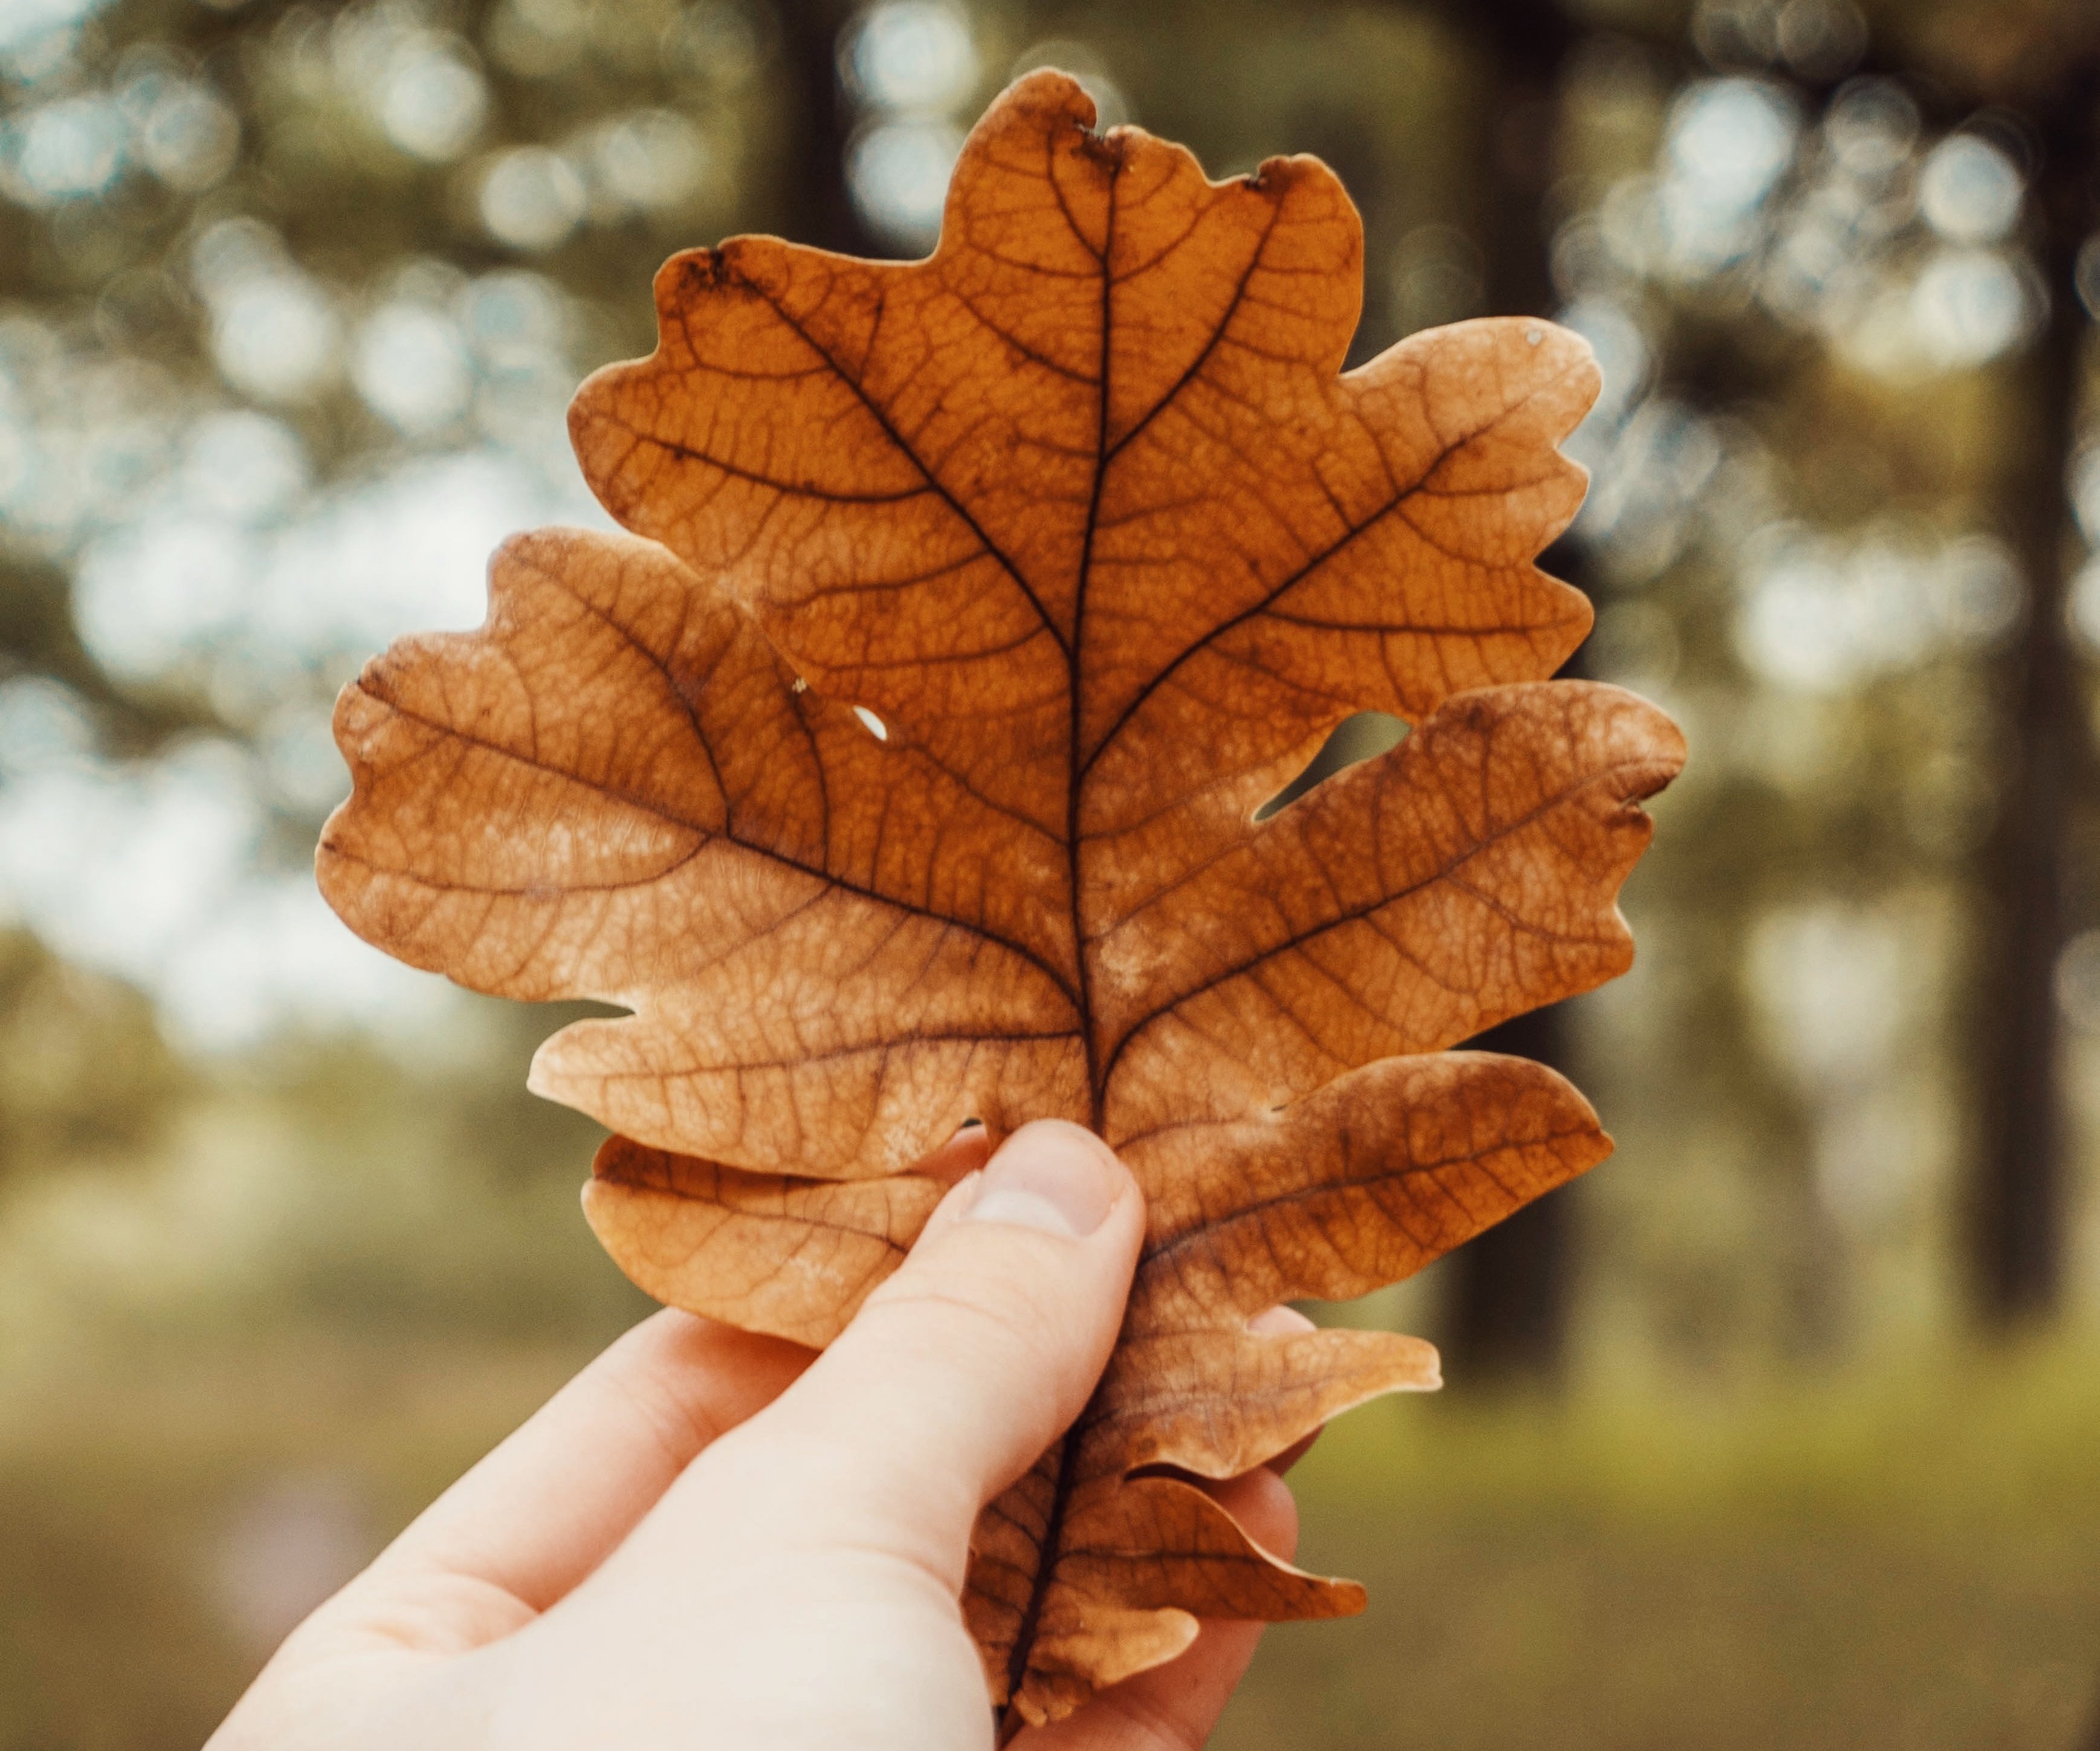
(1783, 1428)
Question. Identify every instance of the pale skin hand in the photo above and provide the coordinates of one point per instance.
(713, 1541)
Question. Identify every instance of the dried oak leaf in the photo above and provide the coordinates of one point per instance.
(905, 772)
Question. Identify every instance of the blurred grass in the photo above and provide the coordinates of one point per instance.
(1905, 1561)
(121, 1495)
(1911, 1562)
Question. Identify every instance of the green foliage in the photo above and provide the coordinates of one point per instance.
(85, 1075)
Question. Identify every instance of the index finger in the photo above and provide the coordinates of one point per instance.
(546, 1507)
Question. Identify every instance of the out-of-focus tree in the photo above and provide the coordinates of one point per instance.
(291, 300)
(2036, 67)
(1992, 84)
(85, 1075)
(1852, 275)
(1512, 1290)
(292, 297)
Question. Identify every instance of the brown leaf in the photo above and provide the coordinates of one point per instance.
(792, 1257)
(904, 771)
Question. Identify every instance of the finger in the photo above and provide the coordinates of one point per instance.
(1281, 1465)
(1174, 1707)
(544, 1508)
(962, 1368)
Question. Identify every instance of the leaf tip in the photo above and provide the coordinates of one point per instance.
(1050, 91)
(1349, 1598)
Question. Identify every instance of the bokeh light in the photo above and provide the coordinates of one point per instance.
(912, 64)
(275, 332)
(411, 367)
(430, 100)
(531, 198)
(182, 130)
(1970, 305)
(911, 55)
(898, 172)
(1730, 142)
(1872, 127)
(28, 26)
(1826, 614)
(1969, 191)
(650, 160)
(62, 150)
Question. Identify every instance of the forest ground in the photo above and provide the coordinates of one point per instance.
(1911, 1560)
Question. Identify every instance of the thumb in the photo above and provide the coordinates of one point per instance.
(971, 1359)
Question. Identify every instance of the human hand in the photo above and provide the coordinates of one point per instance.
(710, 1539)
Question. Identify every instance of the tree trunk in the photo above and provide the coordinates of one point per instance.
(1511, 1287)
(2017, 1198)
(819, 206)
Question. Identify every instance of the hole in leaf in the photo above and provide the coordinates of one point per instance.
(1356, 739)
(876, 726)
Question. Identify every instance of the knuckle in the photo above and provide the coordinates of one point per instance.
(985, 1314)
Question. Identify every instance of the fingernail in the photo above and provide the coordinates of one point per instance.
(1050, 1176)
